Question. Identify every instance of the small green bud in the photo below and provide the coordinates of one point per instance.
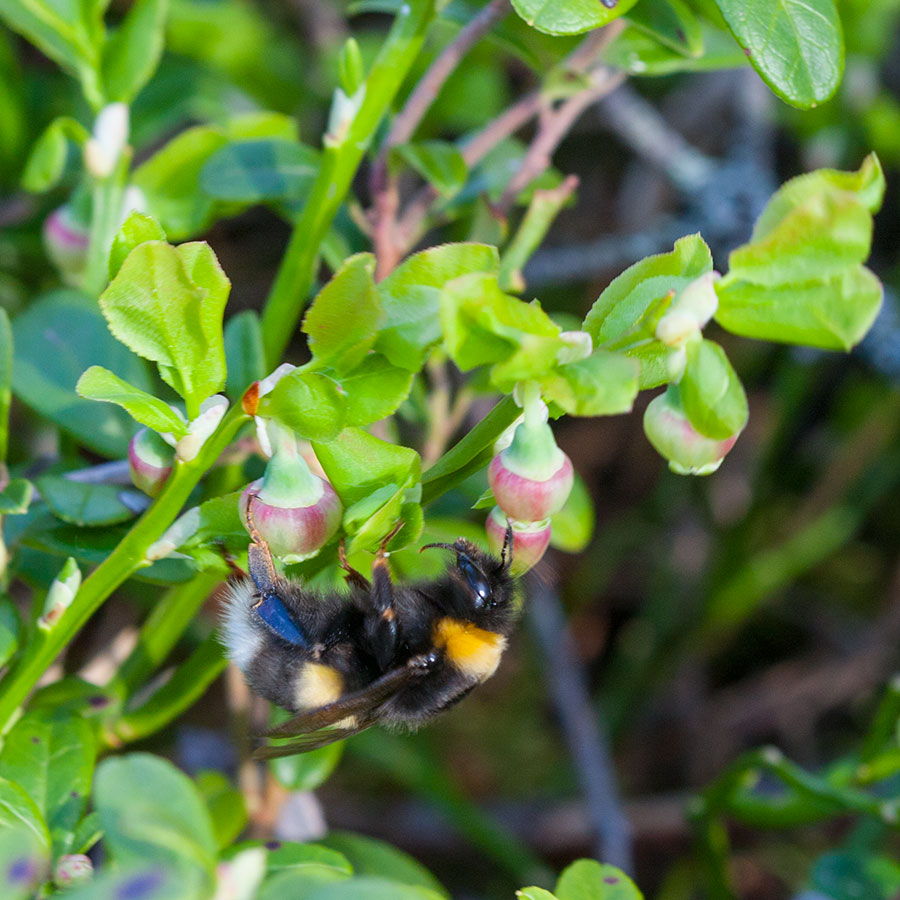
(61, 594)
(150, 461)
(350, 67)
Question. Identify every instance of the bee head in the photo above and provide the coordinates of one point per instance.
(483, 583)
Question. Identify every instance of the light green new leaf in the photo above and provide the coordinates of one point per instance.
(88, 505)
(132, 53)
(6, 372)
(711, 392)
(410, 296)
(57, 338)
(797, 46)
(15, 498)
(374, 390)
(637, 293)
(225, 803)
(534, 893)
(98, 383)
(568, 16)
(254, 171)
(818, 239)
(358, 463)
(344, 317)
(137, 229)
(835, 314)
(671, 22)
(152, 813)
(154, 307)
(47, 159)
(604, 384)
(308, 402)
(586, 879)
(438, 162)
(51, 756)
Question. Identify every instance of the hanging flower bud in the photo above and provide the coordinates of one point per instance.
(530, 539)
(532, 478)
(71, 869)
(295, 511)
(670, 432)
(61, 594)
(150, 461)
(66, 239)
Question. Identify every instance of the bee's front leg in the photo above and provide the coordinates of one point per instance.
(382, 628)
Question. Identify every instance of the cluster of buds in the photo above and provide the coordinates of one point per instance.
(293, 509)
(673, 436)
(531, 479)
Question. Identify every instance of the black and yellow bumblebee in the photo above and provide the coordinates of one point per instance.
(387, 653)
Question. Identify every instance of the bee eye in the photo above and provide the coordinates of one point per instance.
(476, 579)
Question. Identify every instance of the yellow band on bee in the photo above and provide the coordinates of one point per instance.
(472, 650)
(316, 685)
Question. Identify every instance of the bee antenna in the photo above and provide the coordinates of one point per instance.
(506, 553)
(439, 546)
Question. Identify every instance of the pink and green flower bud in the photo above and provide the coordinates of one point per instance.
(295, 511)
(532, 478)
(150, 461)
(66, 240)
(673, 436)
(71, 869)
(530, 539)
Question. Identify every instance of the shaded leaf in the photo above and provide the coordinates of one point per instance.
(569, 16)
(132, 53)
(84, 504)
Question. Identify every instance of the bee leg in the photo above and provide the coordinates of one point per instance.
(382, 629)
(353, 578)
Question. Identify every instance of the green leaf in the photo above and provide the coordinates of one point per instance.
(604, 384)
(374, 390)
(410, 296)
(289, 856)
(534, 893)
(47, 159)
(652, 357)
(639, 291)
(358, 463)
(152, 813)
(259, 170)
(225, 803)
(18, 810)
(343, 319)
(671, 22)
(438, 162)
(132, 53)
(57, 338)
(835, 314)
(586, 879)
(86, 834)
(711, 392)
(299, 884)
(15, 498)
(371, 888)
(797, 46)
(6, 373)
(100, 384)
(51, 756)
(369, 856)
(306, 771)
(568, 16)
(167, 304)
(24, 863)
(828, 233)
(308, 402)
(10, 629)
(170, 181)
(136, 229)
(84, 504)
(69, 33)
(142, 881)
(244, 354)
(573, 525)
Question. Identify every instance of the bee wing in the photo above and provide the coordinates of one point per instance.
(313, 740)
(362, 701)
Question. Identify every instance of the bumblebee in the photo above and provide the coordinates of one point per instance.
(390, 654)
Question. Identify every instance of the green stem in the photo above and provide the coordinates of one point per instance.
(339, 164)
(124, 561)
(471, 453)
(106, 213)
(162, 630)
(188, 683)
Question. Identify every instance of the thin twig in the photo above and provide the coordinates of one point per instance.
(584, 732)
(384, 188)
